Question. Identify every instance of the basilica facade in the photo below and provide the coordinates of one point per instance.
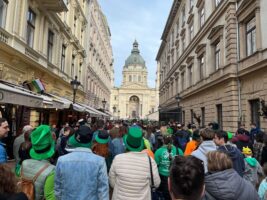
(134, 99)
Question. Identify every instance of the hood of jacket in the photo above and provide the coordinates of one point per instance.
(233, 152)
(226, 184)
(251, 161)
(242, 138)
(207, 146)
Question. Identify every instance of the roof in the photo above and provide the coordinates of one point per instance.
(135, 58)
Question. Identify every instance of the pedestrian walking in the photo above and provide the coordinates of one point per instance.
(130, 174)
(4, 128)
(81, 174)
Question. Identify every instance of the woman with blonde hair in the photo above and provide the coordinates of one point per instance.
(223, 182)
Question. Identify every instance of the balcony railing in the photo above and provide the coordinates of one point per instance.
(3, 36)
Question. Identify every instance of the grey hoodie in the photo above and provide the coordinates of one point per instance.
(202, 150)
(228, 185)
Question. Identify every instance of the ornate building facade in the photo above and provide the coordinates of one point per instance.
(49, 40)
(213, 59)
(134, 99)
(100, 73)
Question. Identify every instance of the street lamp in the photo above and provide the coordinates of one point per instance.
(114, 109)
(75, 84)
(104, 104)
(178, 100)
(119, 113)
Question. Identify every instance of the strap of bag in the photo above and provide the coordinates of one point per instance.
(39, 172)
(151, 173)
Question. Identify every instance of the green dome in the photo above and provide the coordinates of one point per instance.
(135, 58)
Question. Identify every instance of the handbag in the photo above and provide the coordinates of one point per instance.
(154, 194)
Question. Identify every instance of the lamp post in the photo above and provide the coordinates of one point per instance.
(178, 100)
(104, 104)
(75, 84)
(119, 113)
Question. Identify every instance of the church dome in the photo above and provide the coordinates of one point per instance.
(135, 58)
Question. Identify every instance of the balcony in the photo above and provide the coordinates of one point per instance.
(54, 5)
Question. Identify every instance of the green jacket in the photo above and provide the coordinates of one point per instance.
(163, 160)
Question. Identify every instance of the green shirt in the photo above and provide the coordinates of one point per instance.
(163, 161)
(49, 187)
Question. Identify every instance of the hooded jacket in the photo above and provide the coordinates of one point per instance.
(242, 140)
(252, 170)
(236, 157)
(228, 185)
(203, 149)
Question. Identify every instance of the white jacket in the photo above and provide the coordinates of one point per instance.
(129, 175)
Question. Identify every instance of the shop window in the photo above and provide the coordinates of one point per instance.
(31, 17)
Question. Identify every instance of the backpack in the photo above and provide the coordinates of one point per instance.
(27, 185)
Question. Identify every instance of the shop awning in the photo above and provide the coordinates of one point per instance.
(89, 109)
(52, 102)
(16, 95)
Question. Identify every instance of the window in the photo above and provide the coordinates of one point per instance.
(80, 70)
(254, 110)
(217, 56)
(172, 38)
(72, 65)
(183, 44)
(177, 51)
(191, 31)
(251, 36)
(183, 16)
(201, 67)
(191, 4)
(192, 116)
(30, 27)
(63, 56)
(139, 78)
(202, 16)
(115, 97)
(217, 2)
(182, 81)
(130, 78)
(190, 75)
(50, 45)
(203, 117)
(3, 9)
(219, 116)
(183, 117)
(177, 28)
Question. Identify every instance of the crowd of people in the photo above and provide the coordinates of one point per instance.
(119, 160)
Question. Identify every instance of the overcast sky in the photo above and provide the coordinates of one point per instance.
(143, 20)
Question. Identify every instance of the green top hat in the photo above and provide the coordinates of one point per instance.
(43, 145)
(102, 137)
(134, 139)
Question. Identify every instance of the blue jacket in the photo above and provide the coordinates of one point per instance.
(236, 157)
(3, 155)
(81, 175)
